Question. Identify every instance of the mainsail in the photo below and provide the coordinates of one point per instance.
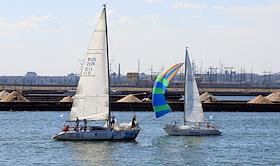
(193, 108)
(91, 100)
(158, 100)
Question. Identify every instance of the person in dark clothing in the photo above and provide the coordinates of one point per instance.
(133, 122)
(77, 124)
(112, 122)
(85, 125)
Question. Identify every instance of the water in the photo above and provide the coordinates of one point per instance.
(235, 98)
(247, 139)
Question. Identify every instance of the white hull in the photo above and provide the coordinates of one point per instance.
(183, 130)
(100, 134)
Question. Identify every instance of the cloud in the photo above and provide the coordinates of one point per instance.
(198, 17)
(218, 7)
(138, 19)
(30, 22)
(181, 5)
(152, 1)
(148, 18)
(264, 18)
(122, 19)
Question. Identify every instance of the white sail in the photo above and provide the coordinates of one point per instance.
(193, 108)
(91, 100)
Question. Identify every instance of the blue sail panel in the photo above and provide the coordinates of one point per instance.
(159, 103)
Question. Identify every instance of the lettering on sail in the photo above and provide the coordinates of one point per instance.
(89, 64)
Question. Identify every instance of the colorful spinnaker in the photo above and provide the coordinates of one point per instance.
(158, 100)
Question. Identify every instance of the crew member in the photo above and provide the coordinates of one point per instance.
(112, 122)
(85, 125)
(133, 122)
(77, 124)
(66, 128)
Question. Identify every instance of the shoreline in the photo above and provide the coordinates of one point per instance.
(143, 107)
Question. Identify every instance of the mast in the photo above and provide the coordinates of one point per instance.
(185, 94)
(107, 52)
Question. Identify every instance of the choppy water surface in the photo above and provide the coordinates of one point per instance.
(248, 139)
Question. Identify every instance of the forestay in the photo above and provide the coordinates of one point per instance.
(92, 97)
(193, 108)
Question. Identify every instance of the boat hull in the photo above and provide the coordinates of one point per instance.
(105, 134)
(183, 130)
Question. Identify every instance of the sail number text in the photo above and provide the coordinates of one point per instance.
(89, 64)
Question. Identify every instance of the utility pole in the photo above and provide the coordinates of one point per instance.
(213, 72)
(119, 74)
(152, 73)
(220, 75)
(242, 75)
(138, 64)
(201, 67)
(138, 70)
(251, 75)
(229, 71)
(267, 78)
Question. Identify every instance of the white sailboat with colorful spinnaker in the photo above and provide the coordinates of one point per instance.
(195, 124)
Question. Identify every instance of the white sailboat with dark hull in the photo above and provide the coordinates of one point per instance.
(195, 124)
(92, 102)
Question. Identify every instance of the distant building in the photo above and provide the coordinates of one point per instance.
(31, 74)
(132, 76)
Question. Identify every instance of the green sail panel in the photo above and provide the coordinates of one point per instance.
(159, 103)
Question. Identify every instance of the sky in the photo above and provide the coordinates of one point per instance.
(51, 37)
